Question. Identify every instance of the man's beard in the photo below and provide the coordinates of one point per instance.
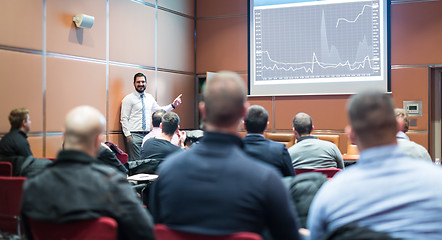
(140, 91)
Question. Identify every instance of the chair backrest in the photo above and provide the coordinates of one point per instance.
(11, 190)
(5, 169)
(103, 228)
(331, 138)
(162, 232)
(287, 138)
(121, 155)
(329, 172)
(352, 149)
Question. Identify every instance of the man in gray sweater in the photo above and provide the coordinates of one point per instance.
(309, 152)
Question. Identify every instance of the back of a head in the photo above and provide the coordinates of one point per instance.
(157, 117)
(82, 126)
(224, 98)
(372, 118)
(256, 119)
(401, 114)
(170, 123)
(17, 116)
(303, 123)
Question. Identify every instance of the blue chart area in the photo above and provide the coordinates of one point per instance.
(319, 41)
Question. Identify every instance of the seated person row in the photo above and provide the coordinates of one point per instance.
(156, 130)
(270, 152)
(309, 152)
(215, 188)
(160, 147)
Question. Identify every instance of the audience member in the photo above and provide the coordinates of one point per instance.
(403, 123)
(386, 190)
(136, 108)
(75, 187)
(160, 147)
(270, 152)
(156, 130)
(214, 188)
(410, 148)
(15, 142)
(107, 156)
(309, 152)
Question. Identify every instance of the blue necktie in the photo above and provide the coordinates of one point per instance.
(144, 112)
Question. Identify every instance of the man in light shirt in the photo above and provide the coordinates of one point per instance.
(386, 191)
(136, 109)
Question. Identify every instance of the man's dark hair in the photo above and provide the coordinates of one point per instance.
(157, 117)
(372, 117)
(17, 116)
(170, 123)
(303, 123)
(224, 97)
(256, 119)
(139, 75)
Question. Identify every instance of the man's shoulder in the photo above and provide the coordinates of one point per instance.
(129, 95)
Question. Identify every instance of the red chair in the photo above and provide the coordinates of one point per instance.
(11, 189)
(162, 232)
(5, 169)
(103, 228)
(329, 172)
(121, 155)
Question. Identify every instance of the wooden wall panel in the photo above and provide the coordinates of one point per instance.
(21, 86)
(120, 84)
(221, 44)
(64, 37)
(411, 85)
(21, 23)
(53, 146)
(36, 144)
(170, 85)
(327, 112)
(131, 33)
(419, 138)
(175, 42)
(416, 33)
(208, 8)
(70, 84)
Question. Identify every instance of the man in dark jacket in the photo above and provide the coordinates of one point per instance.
(255, 145)
(75, 187)
(15, 142)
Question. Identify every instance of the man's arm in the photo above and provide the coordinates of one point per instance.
(126, 108)
(169, 107)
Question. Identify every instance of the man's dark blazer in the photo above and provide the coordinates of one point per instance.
(270, 152)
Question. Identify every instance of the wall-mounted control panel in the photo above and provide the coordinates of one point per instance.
(413, 108)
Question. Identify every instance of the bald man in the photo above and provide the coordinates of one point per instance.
(77, 187)
(215, 188)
